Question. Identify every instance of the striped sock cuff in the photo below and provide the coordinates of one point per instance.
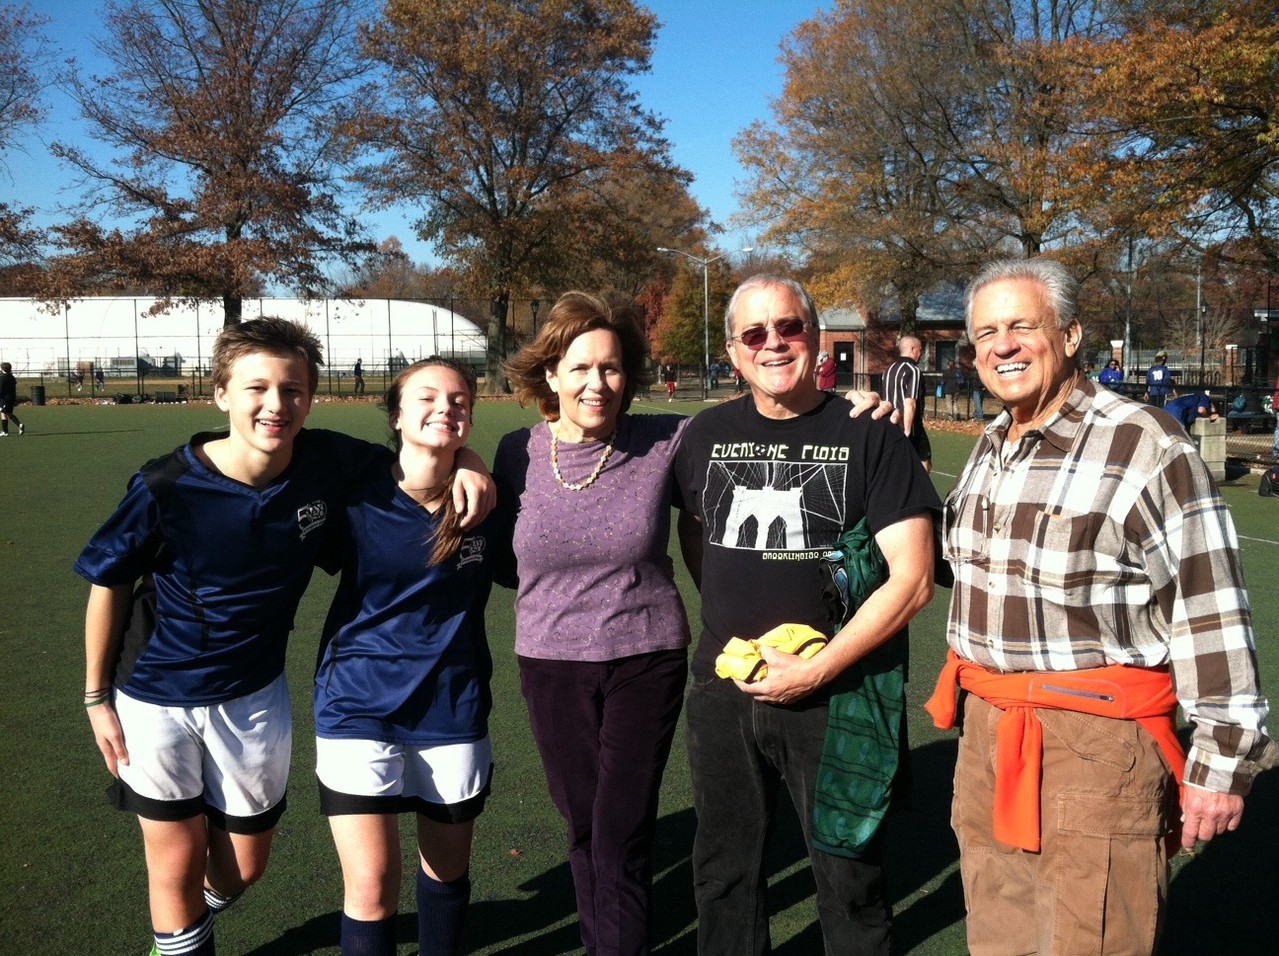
(195, 940)
(217, 902)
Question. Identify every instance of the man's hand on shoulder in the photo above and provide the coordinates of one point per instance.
(872, 402)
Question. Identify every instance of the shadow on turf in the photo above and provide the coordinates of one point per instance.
(1223, 901)
(91, 432)
(921, 847)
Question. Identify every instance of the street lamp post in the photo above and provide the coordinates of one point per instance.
(706, 306)
(1201, 311)
(66, 318)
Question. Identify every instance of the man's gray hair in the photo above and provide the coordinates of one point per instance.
(1060, 287)
(769, 280)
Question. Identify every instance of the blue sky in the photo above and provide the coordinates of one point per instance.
(714, 70)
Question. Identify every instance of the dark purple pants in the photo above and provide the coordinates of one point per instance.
(604, 732)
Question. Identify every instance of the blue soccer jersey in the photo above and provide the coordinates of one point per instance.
(230, 564)
(404, 657)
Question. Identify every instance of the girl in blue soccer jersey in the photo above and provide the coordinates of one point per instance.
(402, 683)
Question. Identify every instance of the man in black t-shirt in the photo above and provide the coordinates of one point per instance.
(770, 482)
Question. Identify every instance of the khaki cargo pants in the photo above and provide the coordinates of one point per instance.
(1100, 882)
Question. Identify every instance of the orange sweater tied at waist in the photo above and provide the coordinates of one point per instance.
(1143, 694)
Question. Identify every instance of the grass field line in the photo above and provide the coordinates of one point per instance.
(1244, 537)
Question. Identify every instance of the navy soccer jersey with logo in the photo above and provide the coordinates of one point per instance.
(230, 564)
(405, 658)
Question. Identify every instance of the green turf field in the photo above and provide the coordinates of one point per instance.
(71, 872)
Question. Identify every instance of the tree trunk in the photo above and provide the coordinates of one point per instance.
(495, 352)
(232, 310)
(910, 314)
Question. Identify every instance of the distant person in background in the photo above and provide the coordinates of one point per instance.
(1090, 371)
(825, 372)
(979, 395)
(1274, 407)
(955, 383)
(904, 389)
(1112, 374)
(8, 399)
(100, 378)
(1158, 381)
(1186, 408)
(670, 376)
(358, 373)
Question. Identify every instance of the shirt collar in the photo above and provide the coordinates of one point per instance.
(1060, 430)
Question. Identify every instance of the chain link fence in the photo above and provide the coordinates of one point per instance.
(117, 347)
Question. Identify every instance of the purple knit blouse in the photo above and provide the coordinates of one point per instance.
(595, 579)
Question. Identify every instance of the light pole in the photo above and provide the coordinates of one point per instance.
(706, 305)
(66, 319)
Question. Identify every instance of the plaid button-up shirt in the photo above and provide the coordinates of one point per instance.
(1101, 539)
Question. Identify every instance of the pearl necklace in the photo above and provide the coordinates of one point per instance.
(578, 485)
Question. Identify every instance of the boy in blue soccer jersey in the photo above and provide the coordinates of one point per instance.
(191, 713)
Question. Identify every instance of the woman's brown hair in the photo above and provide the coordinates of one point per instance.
(574, 314)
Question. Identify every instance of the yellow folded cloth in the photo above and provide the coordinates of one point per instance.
(741, 660)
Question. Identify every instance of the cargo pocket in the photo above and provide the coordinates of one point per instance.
(1108, 863)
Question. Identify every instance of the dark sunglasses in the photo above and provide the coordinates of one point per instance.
(756, 337)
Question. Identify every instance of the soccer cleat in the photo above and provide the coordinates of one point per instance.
(22, 429)
(4, 434)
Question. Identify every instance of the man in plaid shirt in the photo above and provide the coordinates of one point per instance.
(1098, 584)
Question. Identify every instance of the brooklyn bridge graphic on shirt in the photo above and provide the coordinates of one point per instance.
(769, 505)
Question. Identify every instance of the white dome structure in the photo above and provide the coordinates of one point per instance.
(113, 332)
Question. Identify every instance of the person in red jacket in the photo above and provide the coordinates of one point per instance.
(825, 372)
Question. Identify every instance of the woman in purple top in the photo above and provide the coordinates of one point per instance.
(600, 629)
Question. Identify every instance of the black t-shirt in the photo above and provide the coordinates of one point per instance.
(773, 496)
